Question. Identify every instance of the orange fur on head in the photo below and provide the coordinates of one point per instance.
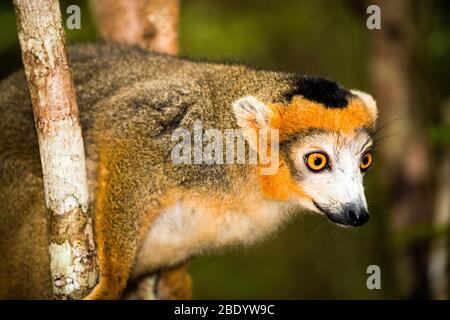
(281, 185)
(304, 114)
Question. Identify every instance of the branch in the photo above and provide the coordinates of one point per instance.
(151, 24)
(71, 247)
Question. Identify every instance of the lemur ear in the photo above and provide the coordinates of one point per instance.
(369, 101)
(252, 113)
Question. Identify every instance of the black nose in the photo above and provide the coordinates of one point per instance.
(357, 216)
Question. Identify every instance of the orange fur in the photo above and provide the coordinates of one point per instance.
(175, 283)
(304, 114)
(280, 186)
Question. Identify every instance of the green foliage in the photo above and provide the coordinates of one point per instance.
(440, 135)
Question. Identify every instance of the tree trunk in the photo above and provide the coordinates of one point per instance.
(405, 154)
(71, 246)
(151, 24)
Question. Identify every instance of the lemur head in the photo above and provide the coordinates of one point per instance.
(325, 146)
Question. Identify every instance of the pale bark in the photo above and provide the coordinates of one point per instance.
(151, 24)
(71, 246)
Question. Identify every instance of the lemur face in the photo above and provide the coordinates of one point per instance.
(329, 168)
(324, 146)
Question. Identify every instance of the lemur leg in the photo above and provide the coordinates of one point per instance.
(143, 288)
(118, 223)
(115, 253)
(175, 283)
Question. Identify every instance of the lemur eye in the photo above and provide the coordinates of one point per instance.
(316, 161)
(366, 161)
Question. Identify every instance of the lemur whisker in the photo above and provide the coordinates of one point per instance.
(380, 140)
(389, 122)
(333, 201)
(321, 225)
(383, 127)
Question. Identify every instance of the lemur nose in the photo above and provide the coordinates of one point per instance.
(357, 216)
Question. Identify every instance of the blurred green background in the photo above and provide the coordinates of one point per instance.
(309, 257)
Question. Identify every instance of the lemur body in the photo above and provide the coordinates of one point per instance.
(151, 213)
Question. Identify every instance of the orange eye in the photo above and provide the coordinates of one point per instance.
(366, 161)
(316, 161)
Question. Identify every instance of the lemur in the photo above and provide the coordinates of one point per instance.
(151, 214)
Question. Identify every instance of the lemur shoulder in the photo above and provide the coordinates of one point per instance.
(151, 213)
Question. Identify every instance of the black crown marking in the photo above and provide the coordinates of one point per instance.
(320, 90)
